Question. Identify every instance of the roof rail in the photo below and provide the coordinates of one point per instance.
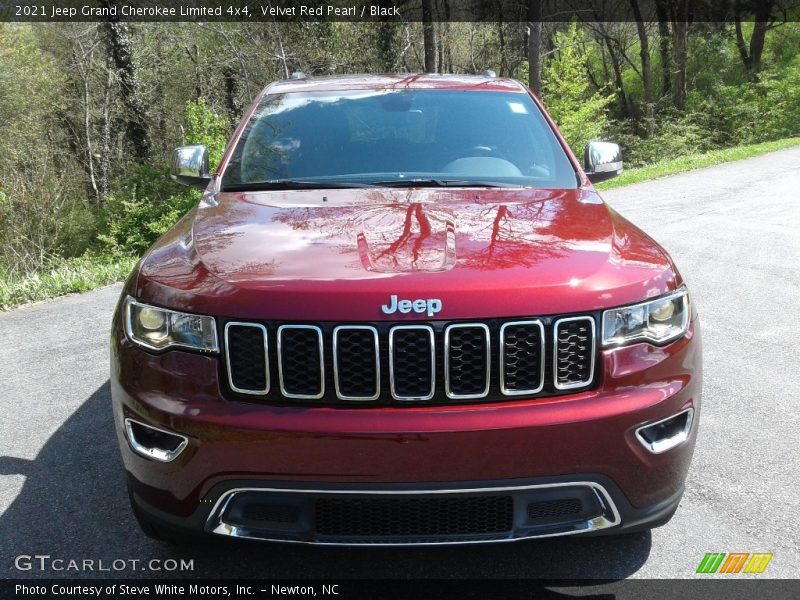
(489, 73)
(298, 75)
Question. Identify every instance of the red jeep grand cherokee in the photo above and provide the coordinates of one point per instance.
(401, 314)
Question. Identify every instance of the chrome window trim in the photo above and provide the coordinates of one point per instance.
(503, 389)
(129, 328)
(610, 518)
(154, 453)
(674, 441)
(266, 358)
(321, 393)
(447, 331)
(374, 331)
(392, 331)
(574, 384)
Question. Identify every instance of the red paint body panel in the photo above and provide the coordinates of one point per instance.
(274, 254)
(338, 255)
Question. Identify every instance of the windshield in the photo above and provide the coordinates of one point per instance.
(398, 137)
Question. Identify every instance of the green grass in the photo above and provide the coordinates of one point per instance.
(696, 161)
(72, 275)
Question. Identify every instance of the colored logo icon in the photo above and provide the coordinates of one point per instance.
(735, 562)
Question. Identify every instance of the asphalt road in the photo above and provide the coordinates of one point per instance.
(734, 230)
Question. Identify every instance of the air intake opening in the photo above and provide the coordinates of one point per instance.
(666, 434)
(154, 443)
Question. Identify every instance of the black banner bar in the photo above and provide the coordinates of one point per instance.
(727, 588)
(374, 10)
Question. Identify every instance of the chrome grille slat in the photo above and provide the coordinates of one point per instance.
(399, 344)
(346, 366)
(522, 359)
(457, 361)
(303, 371)
(246, 366)
(573, 352)
(395, 363)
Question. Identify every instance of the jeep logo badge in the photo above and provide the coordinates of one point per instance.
(431, 305)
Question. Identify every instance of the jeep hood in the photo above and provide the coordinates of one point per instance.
(340, 254)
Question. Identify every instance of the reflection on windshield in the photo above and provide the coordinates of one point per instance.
(398, 135)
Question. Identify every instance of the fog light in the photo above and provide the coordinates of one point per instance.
(158, 444)
(664, 435)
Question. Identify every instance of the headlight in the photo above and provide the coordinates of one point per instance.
(158, 328)
(661, 320)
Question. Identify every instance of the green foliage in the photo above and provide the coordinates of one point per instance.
(780, 102)
(579, 111)
(62, 276)
(141, 208)
(31, 88)
(204, 126)
(677, 135)
(144, 205)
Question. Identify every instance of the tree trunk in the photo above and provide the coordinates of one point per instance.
(429, 36)
(385, 38)
(664, 50)
(105, 138)
(644, 53)
(616, 66)
(231, 94)
(680, 32)
(121, 52)
(752, 57)
(535, 46)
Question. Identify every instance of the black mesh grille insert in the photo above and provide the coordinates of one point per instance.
(553, 509)
(467, 356)
(411, 356)
(247, 358)
(300, 361)
(271, 513)
(400, 517)
(574, 352)
(522, 357)
(356, 363)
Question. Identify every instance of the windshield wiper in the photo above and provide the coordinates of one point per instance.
(294, 184)
(445, 183)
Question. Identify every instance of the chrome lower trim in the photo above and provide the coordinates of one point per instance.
(336, 361)
(228, 358)
(610, 517)
(392, 331)
(318, 331)
(666, 444)
(542, 350)
(447, 331)
(154, 453)
(590, 378)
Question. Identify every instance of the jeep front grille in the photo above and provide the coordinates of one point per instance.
(574, 352)
(390, 363)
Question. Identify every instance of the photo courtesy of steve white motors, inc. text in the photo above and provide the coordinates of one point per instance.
(177, 10)
(161, 589)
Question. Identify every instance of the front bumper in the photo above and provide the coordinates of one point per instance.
(584, 438)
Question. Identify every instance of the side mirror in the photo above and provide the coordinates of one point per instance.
(190, 166)
(602, 160)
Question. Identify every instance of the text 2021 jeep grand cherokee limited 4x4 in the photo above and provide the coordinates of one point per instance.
(400, 314)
